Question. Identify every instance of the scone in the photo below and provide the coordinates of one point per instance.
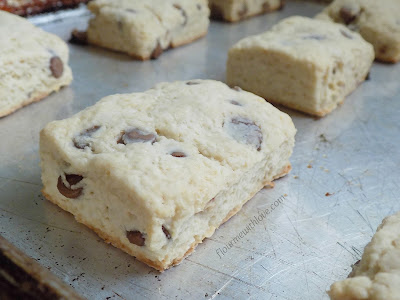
(31, 7)
(377, 275)
(377, 21)
(155, 173)
(33, 63)
(305, 64)
(145, 28)
(236, 10)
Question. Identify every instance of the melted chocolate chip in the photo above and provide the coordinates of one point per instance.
(131, 10)
(243, 11)
(178, 154)
(158, 50)
(198, 6)
(234, 102)
(56, 67)
(245, 131)
(192, 83)
(78, 37)
(136, 136)
(368, 77)
(348, 14)
(166, 232)
(135, 237)
(69, 192)
(83, 139)
(183, 12)
(346, 34)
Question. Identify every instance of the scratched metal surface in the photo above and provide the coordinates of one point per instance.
(305, 243)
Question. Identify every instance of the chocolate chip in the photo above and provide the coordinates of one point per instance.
(135, 237)
(198, 6)
(236, 88)
(317, 37)
(368, 77)
(178, 154)
(83, 139)
(383, 49)
(183, 12)
(192, 83)
(346, 34)
(69, 192)
(56, 67)
(245, 131)
(78, 37)
(234, 102)
(216, 12)
(166, 232)
(266, 7)
(131, 10)
(158, 50)
(242, 13)
(348, 13)
(136, 136)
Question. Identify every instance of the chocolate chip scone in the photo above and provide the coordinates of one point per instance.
(33, 63)
(305, 64)
(377, 275)
(145, 28)
(236, 10)
(155, 173)
(377, 21)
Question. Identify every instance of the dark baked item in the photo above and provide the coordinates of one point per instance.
(31, 7)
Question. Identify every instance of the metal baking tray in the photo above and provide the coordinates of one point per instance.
(345, 180)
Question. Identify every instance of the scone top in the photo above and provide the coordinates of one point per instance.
(20, 39)
(160, 12)
(171, 149)
(315, 41)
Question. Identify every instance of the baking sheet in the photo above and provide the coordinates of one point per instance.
(345, 180)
